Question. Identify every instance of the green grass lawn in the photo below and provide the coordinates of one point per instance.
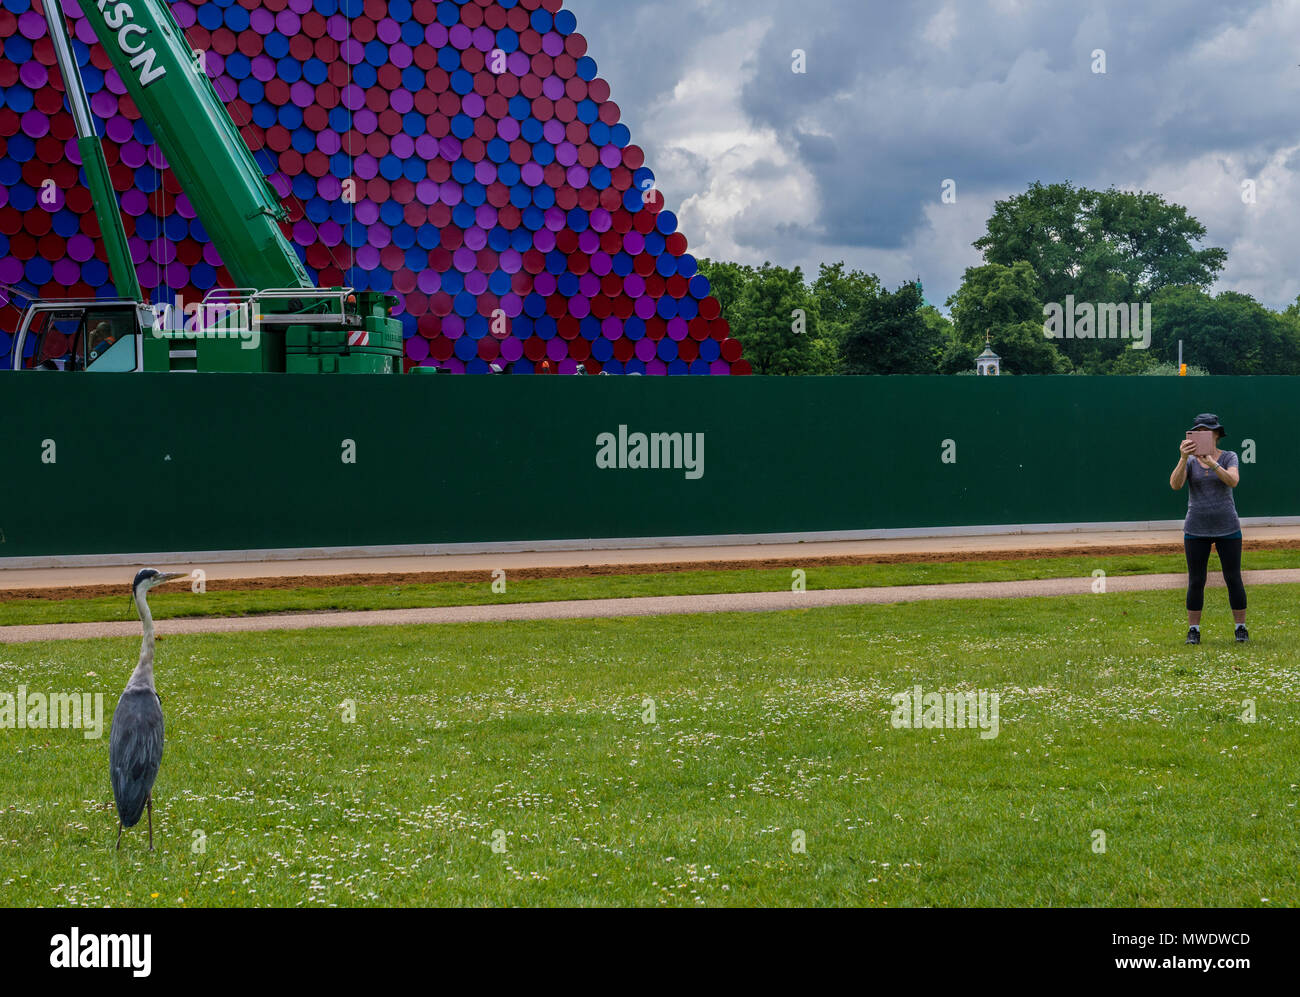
(765, 726)
(176, 600)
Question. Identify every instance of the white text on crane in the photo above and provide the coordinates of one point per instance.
(130, 39)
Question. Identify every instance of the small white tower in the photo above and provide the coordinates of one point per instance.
(988, 362)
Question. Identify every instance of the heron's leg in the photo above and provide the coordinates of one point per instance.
(148, 802)
(119, 835)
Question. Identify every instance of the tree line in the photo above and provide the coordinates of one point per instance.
(1051, 245)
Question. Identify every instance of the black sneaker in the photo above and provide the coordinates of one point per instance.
(1243, 634)
(1193, 635)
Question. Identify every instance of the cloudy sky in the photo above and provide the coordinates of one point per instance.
(848, 160)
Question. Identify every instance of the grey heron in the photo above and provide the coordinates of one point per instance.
(135, 744)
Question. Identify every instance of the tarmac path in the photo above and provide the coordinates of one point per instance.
(743, 602)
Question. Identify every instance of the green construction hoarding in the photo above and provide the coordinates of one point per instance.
(174, 462)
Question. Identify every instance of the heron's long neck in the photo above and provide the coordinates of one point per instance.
(143, 674)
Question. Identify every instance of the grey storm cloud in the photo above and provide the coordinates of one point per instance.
(1197, 97)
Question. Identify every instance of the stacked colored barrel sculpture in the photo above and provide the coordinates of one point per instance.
(464, 155)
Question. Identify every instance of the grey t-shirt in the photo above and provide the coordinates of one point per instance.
(1211, 511)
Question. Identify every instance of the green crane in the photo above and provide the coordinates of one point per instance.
(276, 318)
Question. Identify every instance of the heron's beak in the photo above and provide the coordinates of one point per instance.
(168, 576)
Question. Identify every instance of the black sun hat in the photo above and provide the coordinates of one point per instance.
(1208, 420)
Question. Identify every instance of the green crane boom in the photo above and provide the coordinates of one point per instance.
(93, 162)
(276, 319)
(203, 147)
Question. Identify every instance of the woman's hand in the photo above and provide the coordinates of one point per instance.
(1209, 463)
(1178, 477)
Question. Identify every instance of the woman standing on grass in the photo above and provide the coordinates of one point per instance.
(1211, 522)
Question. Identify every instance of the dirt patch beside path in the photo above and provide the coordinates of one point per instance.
(604, 570)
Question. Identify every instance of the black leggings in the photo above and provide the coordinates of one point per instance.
(1197, 550)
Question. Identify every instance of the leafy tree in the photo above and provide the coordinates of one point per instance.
(1289, 361)
(1171, 370)
(825, 358)
(1107, 245)
(1293, 310)
(1143, 362)
(1099, 246)
(1228, 334)
(1136, 362)
(938, 322)
(889, 335)
(954, 356)
(761, 304)
(840, 297)
(957, 358)
(1005, 302)
(764, 318)
(728, 282)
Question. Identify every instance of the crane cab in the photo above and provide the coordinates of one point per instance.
(232, 330)
(104, 335)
